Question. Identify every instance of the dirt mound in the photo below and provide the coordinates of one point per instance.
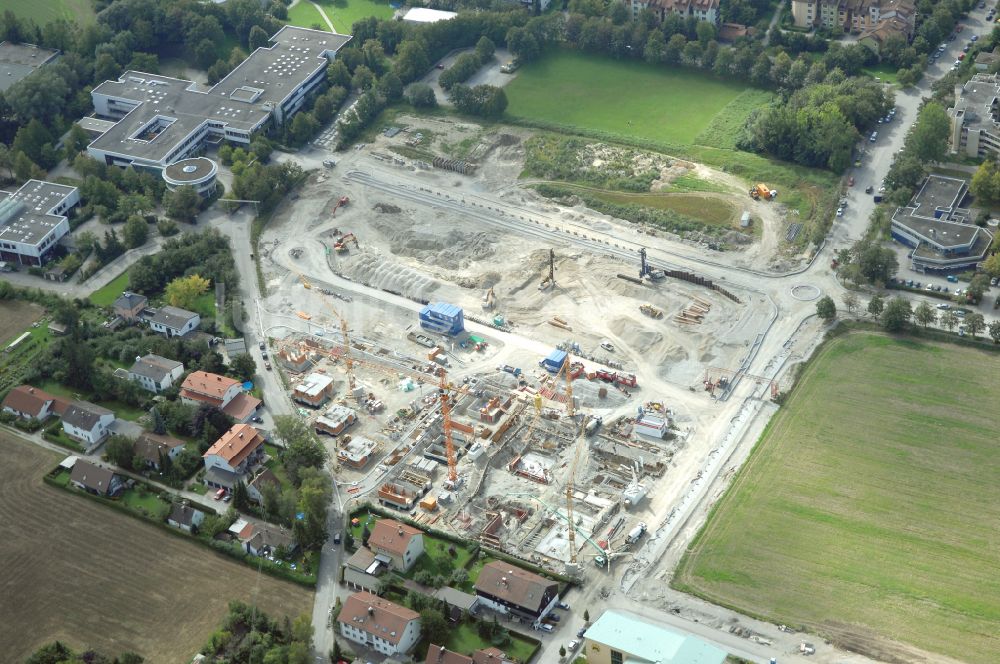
(452, 250)
(386, 208)
(386, 275)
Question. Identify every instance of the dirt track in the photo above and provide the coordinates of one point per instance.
(83, 573)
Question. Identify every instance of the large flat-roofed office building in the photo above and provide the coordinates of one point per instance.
(939, 230)
(33, 220)
(18, 61)
(160, 120)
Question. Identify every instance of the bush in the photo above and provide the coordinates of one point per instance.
(421, 95)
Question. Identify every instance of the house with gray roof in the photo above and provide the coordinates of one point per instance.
(96, 479)
(185, 517)
(155, 373)
(129, 306)
(87, 422)
(172, 321)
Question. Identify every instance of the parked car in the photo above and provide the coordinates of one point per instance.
(553, 617)
(261, 345)
(944, 305)
(581, 632)
(546, 627)
(869, 189)
(219, 494)
(572, 645)
(840, 212)
(850, 181)
(563, 605)
(258, 419)
(336, 537)
(975, 38)
(267, 365)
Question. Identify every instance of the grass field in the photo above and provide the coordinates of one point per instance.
(160, 596)
(884, 71)
(16, 316)
(305, 15)
(870, 508)
(74, 11)
(342, 13)
(628, 98)
(727, 125)
(708, 209)
(105, 296)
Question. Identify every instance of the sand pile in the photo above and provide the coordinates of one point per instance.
(380, 273)
(452, 250)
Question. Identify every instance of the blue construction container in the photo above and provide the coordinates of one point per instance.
(442, 318)
(554, 362)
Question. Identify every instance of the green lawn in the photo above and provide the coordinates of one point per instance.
(305, 15)
(105, 296)
(633, 99)
(122, 410)
(437, 560)
(707, 209)
(41, 12)
(870, 508)
(140, 500)
(465, 639)
(883, 70)
(345, 13)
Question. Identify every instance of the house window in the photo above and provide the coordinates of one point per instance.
(616, 657)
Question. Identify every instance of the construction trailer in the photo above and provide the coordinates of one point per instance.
(554, 362)
(442, 318)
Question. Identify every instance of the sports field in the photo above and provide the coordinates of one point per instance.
(83, 573)
(870, 509)
(43, 11)
(636, 99)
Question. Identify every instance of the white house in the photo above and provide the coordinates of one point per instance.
(379, 624)
(154, 448)
(185, 517)
(173, 321)
(401, 543)
(28, 402)
(87, 422)
(155, 373)
(235, 454)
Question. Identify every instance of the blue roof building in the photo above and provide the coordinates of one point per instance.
(442, 318)
(554, 362)
(622, 638)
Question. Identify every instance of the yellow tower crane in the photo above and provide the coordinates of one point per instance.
(570, 487)
(348, 361)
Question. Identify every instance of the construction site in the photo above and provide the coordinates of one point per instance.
(517, 373)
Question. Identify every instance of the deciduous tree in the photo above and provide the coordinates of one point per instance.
(897, 314)
(851, 302)
(826, 309)
(975, 323)
(925, 314)
(183, 291)
(875, 306)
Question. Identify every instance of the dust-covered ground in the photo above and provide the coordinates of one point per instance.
(426, 253)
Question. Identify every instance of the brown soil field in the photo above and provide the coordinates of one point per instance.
(77, 571)
(15, 317)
